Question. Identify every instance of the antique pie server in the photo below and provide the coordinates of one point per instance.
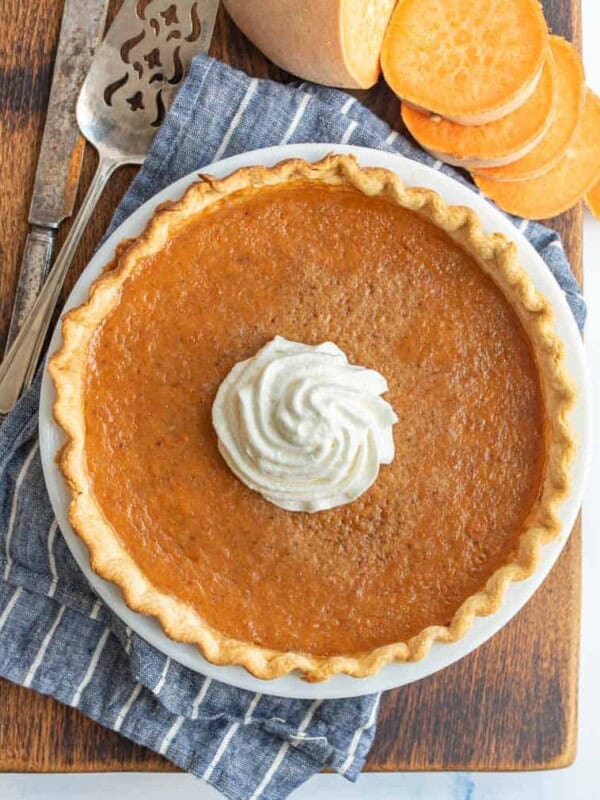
(61, 153)
(132, 80)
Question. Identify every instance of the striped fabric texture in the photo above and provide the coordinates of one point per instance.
(56, 636)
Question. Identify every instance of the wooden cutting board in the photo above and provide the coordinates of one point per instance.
(511, 705)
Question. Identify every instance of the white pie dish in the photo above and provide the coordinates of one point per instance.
(441, 655)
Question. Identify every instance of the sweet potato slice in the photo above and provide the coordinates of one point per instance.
(570, 92)
(564, 184)
(335, 42)
(592, 200)
(471, 61)
(495, 143)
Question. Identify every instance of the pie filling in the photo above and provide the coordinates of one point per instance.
(315, 263)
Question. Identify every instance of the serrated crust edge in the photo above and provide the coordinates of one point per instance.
(498, 258)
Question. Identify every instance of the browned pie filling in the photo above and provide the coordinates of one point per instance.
(313, 263)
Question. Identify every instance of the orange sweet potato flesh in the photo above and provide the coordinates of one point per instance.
(565, 183)
(570, 91)
(471, 61)
(592, 200)
(494, 143)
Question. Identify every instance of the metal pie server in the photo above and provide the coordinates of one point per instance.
(133, 78)
(61, 152)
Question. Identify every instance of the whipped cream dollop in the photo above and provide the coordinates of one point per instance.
(303, 427)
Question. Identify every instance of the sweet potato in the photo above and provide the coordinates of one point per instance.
(335, 42)
(495, 143)
(565, 183)
(592, 200)
(470, 61)
(570, 92)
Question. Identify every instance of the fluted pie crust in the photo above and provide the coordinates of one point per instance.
(497, 257)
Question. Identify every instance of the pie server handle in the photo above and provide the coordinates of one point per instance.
(18, 368)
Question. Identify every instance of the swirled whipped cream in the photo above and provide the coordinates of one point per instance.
(302, 426)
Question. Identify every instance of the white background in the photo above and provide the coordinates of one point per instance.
(579, 782)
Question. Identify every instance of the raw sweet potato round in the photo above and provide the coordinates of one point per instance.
(564, 184)
(494, 143)
(592, 200)
(335, 42)
(471, 61)
(570, 91)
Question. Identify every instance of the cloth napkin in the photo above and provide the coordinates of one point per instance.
(56, 636)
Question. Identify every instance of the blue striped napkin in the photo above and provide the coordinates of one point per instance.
(56, 636)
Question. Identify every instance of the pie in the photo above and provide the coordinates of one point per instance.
(403, 284)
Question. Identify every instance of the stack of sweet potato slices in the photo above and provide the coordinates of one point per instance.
(484, 86)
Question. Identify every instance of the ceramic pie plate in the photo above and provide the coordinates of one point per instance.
(441, 655)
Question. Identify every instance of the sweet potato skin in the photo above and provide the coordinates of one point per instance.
(450, 56)
(564, 184)
(306, 38)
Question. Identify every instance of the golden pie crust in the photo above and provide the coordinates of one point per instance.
(496, 256)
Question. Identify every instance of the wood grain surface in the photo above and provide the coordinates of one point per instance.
(511, 705)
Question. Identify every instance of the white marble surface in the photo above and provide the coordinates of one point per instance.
(579, 782)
